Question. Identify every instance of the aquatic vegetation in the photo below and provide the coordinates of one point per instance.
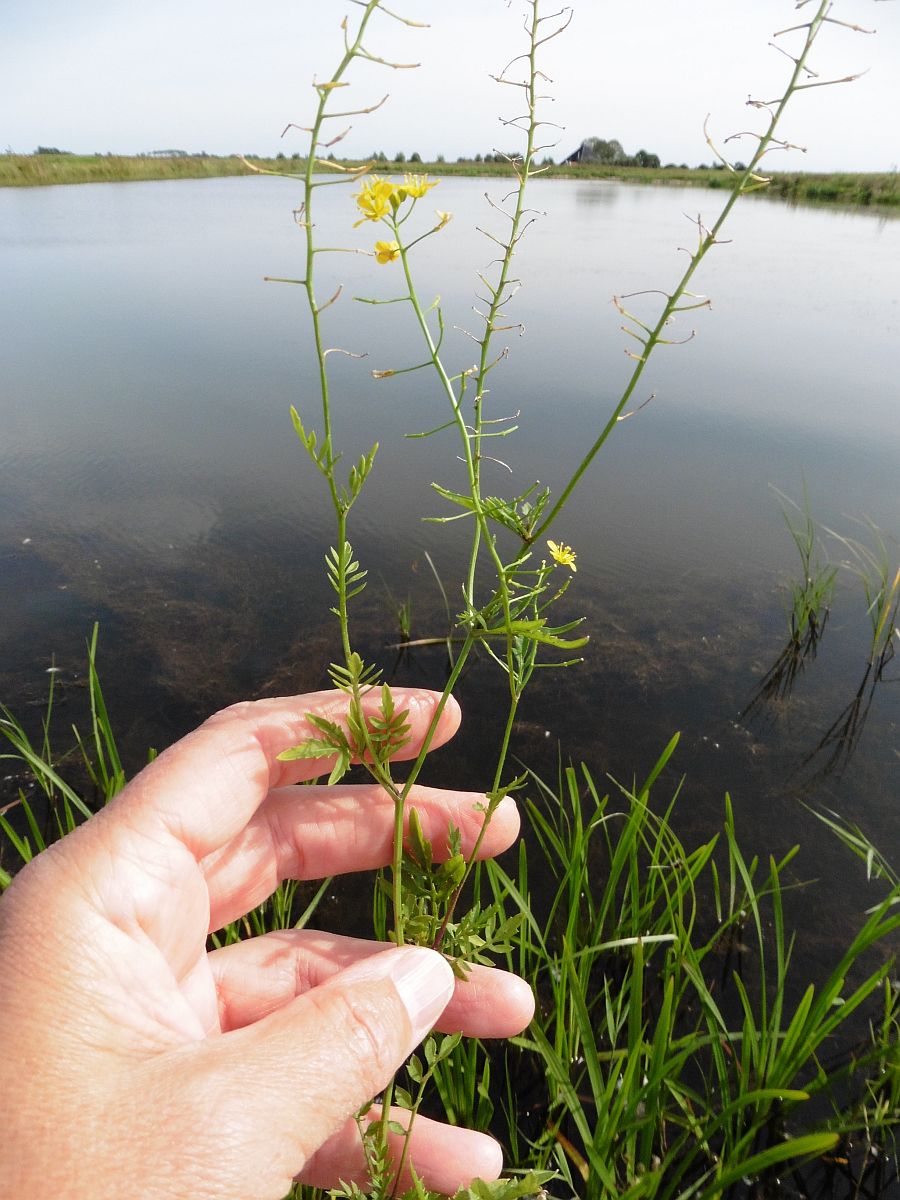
(873, 565)
(810, 595)
(811, 598)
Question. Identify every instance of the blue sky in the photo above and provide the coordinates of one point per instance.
(225, 75)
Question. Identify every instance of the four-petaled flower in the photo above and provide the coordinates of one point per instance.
(376, 199)
(386, 252)
(563, 554)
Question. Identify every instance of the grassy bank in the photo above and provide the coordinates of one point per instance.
(845, 188)
(41, 170)
(869, 190)
(37, 170)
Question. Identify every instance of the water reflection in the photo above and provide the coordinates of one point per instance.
(776, 685)
(840, 742)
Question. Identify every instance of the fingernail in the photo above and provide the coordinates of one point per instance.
(425, 982)
(423, 979)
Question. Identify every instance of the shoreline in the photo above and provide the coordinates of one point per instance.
(880, 191)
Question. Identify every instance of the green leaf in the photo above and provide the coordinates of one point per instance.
(531, 1184)
(360, 472)
(355, 674)
(420, 847)
(452, 872)
(455, 497)
(793, 1149)
(331, 729)
(448, 1044)
(340, 768)
(311, 748)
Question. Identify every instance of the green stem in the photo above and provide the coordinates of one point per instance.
(471, 470)
(310, 186)
(503, 280)
(498, 779)
(471, 446)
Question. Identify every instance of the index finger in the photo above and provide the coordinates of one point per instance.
(203, 790)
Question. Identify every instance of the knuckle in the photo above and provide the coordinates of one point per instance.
(368, 1031)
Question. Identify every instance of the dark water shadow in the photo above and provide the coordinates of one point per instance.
(835, 749)
(777, 684)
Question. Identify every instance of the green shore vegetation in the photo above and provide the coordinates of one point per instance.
(870, 189)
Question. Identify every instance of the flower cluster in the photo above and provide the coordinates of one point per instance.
(378, 199)
(378, 196)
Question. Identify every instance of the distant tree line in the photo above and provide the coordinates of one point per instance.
(612, 153)
(592, 150)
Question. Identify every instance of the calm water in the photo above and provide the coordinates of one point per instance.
(149, 477)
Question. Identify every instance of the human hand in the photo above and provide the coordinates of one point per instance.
(137, 1064)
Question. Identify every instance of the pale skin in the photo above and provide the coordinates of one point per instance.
(136, 1064)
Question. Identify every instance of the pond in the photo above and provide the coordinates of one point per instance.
(150, 480)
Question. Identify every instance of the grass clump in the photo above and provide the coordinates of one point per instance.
(683, 1057)
(812, 592)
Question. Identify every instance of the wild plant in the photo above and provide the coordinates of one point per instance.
(512, 581)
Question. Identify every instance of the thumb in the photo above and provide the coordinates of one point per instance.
(291, 1080)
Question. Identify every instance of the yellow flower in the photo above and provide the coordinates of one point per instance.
(563, 554)
(386, 252)
(415, 186)
(443, 218)
(375, 199)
